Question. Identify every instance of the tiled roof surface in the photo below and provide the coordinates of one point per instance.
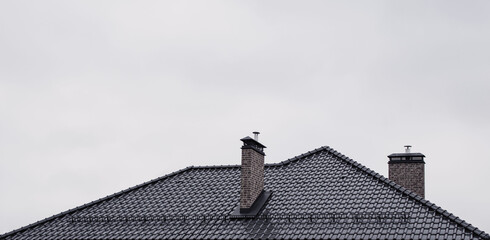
(321, 194)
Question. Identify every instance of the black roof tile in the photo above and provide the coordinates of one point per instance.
(319, 194)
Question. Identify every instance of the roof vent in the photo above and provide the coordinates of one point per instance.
(407, 148)
(256, 136)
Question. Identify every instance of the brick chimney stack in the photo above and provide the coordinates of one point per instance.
(407, 169)
(253, 196)
(252, 171)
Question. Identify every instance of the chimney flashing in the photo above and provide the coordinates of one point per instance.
(254, 210)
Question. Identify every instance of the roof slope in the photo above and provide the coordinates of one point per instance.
(320, 194)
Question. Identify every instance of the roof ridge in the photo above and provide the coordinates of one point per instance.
(296, 158)
(216, 166)
(405, 191)
(72, 210)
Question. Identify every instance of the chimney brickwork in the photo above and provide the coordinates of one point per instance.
(252, 179)
(409, 175)
(408, 170)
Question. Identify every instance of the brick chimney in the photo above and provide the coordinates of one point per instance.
(252, 194)
(407, 169)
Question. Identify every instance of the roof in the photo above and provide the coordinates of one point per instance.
(319, 194)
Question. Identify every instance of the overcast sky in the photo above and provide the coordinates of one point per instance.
(99, 96)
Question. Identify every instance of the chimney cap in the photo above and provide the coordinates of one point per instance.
(406, 154)
(406, 157)
(250, 141)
